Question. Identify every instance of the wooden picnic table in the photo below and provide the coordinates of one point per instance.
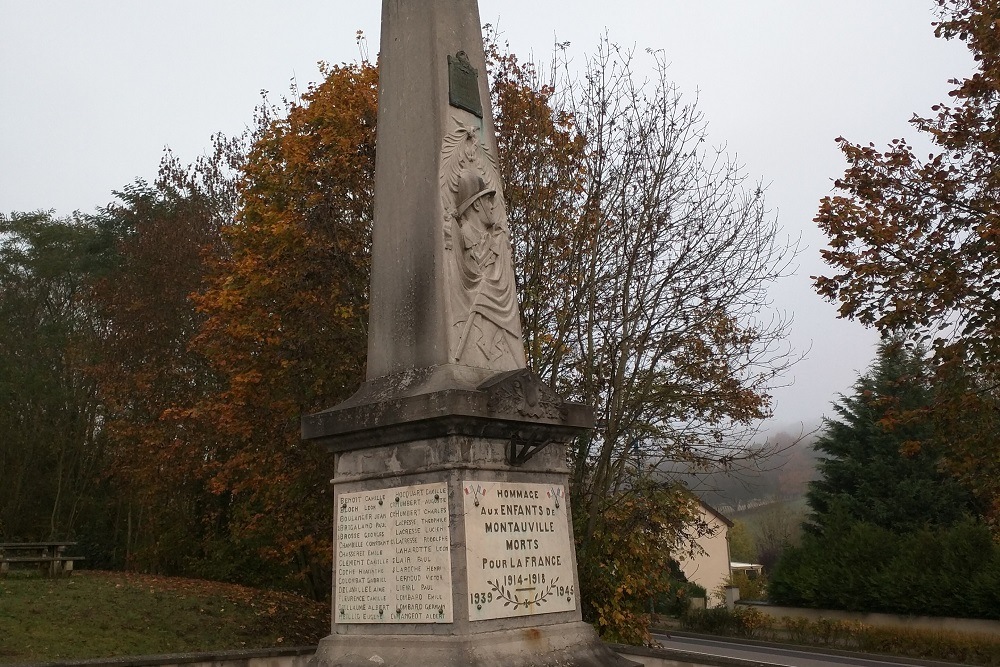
(51, 556)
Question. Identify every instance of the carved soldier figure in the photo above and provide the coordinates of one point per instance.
(484, 301)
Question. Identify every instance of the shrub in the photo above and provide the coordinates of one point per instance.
(751, 588)
(860, 567)
(626, 564)
(748, 622)
(677, 600)
(962, 648)
(745, 622)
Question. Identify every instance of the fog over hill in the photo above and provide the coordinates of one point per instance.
(782, 476)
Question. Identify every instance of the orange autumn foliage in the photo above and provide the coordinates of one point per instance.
(284, 317)
(913, 246)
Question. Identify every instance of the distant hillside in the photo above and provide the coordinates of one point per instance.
(784, 475)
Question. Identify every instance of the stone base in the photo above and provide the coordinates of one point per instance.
(564, 645)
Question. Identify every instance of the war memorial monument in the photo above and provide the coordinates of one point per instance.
(453, 543)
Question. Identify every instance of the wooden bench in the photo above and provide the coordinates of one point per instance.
(49, 556)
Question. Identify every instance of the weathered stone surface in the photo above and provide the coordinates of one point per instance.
(454, 463)
(519, 550)
(457, 463)
(514, 405)
(564, 645)
(541, 636)
(443, 314)
(393, 556)
(442, 282)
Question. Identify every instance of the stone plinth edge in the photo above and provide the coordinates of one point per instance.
(564, 645)
(447, 401)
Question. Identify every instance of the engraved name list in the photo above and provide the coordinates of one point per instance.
(393, 556)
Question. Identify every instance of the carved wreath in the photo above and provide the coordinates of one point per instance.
(523, 394)
(512, 598)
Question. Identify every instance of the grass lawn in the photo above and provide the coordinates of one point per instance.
(108, 614)
(797, 508)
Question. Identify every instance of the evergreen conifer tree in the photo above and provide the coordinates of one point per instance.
(880, 462)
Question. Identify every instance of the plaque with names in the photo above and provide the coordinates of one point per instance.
(520, 555)
(393, 556)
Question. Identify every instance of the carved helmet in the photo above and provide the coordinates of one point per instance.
(471, 187)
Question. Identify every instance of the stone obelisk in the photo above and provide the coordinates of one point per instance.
(453, 544)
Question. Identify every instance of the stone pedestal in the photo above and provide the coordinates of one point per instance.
(453, 538)
(568, 644)
(527, 636)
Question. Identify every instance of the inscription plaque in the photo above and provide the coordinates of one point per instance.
(394, 556)
(463, 85)
(520, 556)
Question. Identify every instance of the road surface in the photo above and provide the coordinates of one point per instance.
(772, 655)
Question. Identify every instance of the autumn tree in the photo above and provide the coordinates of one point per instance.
(643, 258)
(235, 302)
(285, 313)
(913, 246)
(52, 449)
(631, 562)
(163, 234)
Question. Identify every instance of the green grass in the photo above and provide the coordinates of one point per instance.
(104, 614)
(797, 508)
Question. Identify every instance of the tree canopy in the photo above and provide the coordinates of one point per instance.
(913, 244)
(891, 530)
(52, 449)
(880, 462)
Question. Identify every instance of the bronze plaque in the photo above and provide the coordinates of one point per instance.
(463, 85)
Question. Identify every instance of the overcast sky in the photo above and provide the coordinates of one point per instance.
(92, 91)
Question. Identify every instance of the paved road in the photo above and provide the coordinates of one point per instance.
(784, 657)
